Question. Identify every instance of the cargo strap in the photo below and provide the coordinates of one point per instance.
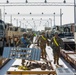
(55, 41)
(43, 37)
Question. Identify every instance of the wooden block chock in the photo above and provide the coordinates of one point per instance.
(1, 59)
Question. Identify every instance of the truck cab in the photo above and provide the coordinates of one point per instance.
(2, 35)
(2, 29)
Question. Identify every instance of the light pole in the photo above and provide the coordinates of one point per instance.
(75, 22)
(20, 26)
(75, 13)
(51, 22)
(23, 25)
(48, 23)
(4, 14)
(54, 19)
(40, 22)
(9, 16)
(61, 18)
(16, 21)
(11, 19)
(20, 23)
(0, 14)
(26, 27)
(34, 24)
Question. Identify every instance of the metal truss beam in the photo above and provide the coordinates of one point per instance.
(31, 15)
(37, 4)
(32, 20)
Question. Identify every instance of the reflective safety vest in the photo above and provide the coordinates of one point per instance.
(43, 37)
(55, 41)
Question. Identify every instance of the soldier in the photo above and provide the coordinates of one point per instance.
(23, 42)
(1, 51)
(56, 44)
(41, 42)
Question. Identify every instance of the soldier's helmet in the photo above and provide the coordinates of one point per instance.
(24, 34)
(55, 33)
(43, 32)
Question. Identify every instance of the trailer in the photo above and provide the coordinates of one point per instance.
(15, 67)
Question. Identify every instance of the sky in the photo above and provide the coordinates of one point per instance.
(67, 17)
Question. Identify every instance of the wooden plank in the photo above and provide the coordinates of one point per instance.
(71, 59)
(31, 72)
(15, 70)
(66, 54)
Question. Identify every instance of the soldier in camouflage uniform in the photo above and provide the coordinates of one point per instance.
(42, 41)
(56, 44)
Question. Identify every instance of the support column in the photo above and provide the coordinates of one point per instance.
(0, 15)
(17, 22)
(20, 24)
(4, 14)
(75, 22)
(61, 19)
(11, 19)
(54, 20)
(75, 12)
(50, 22)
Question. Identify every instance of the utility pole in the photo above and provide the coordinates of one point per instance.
(61, 18)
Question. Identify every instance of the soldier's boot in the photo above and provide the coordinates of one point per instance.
(54, 60)
(57, 62)
(42, 55)
(45, 55)
(23, 61)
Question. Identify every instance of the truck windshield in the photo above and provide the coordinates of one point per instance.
(1, 27)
